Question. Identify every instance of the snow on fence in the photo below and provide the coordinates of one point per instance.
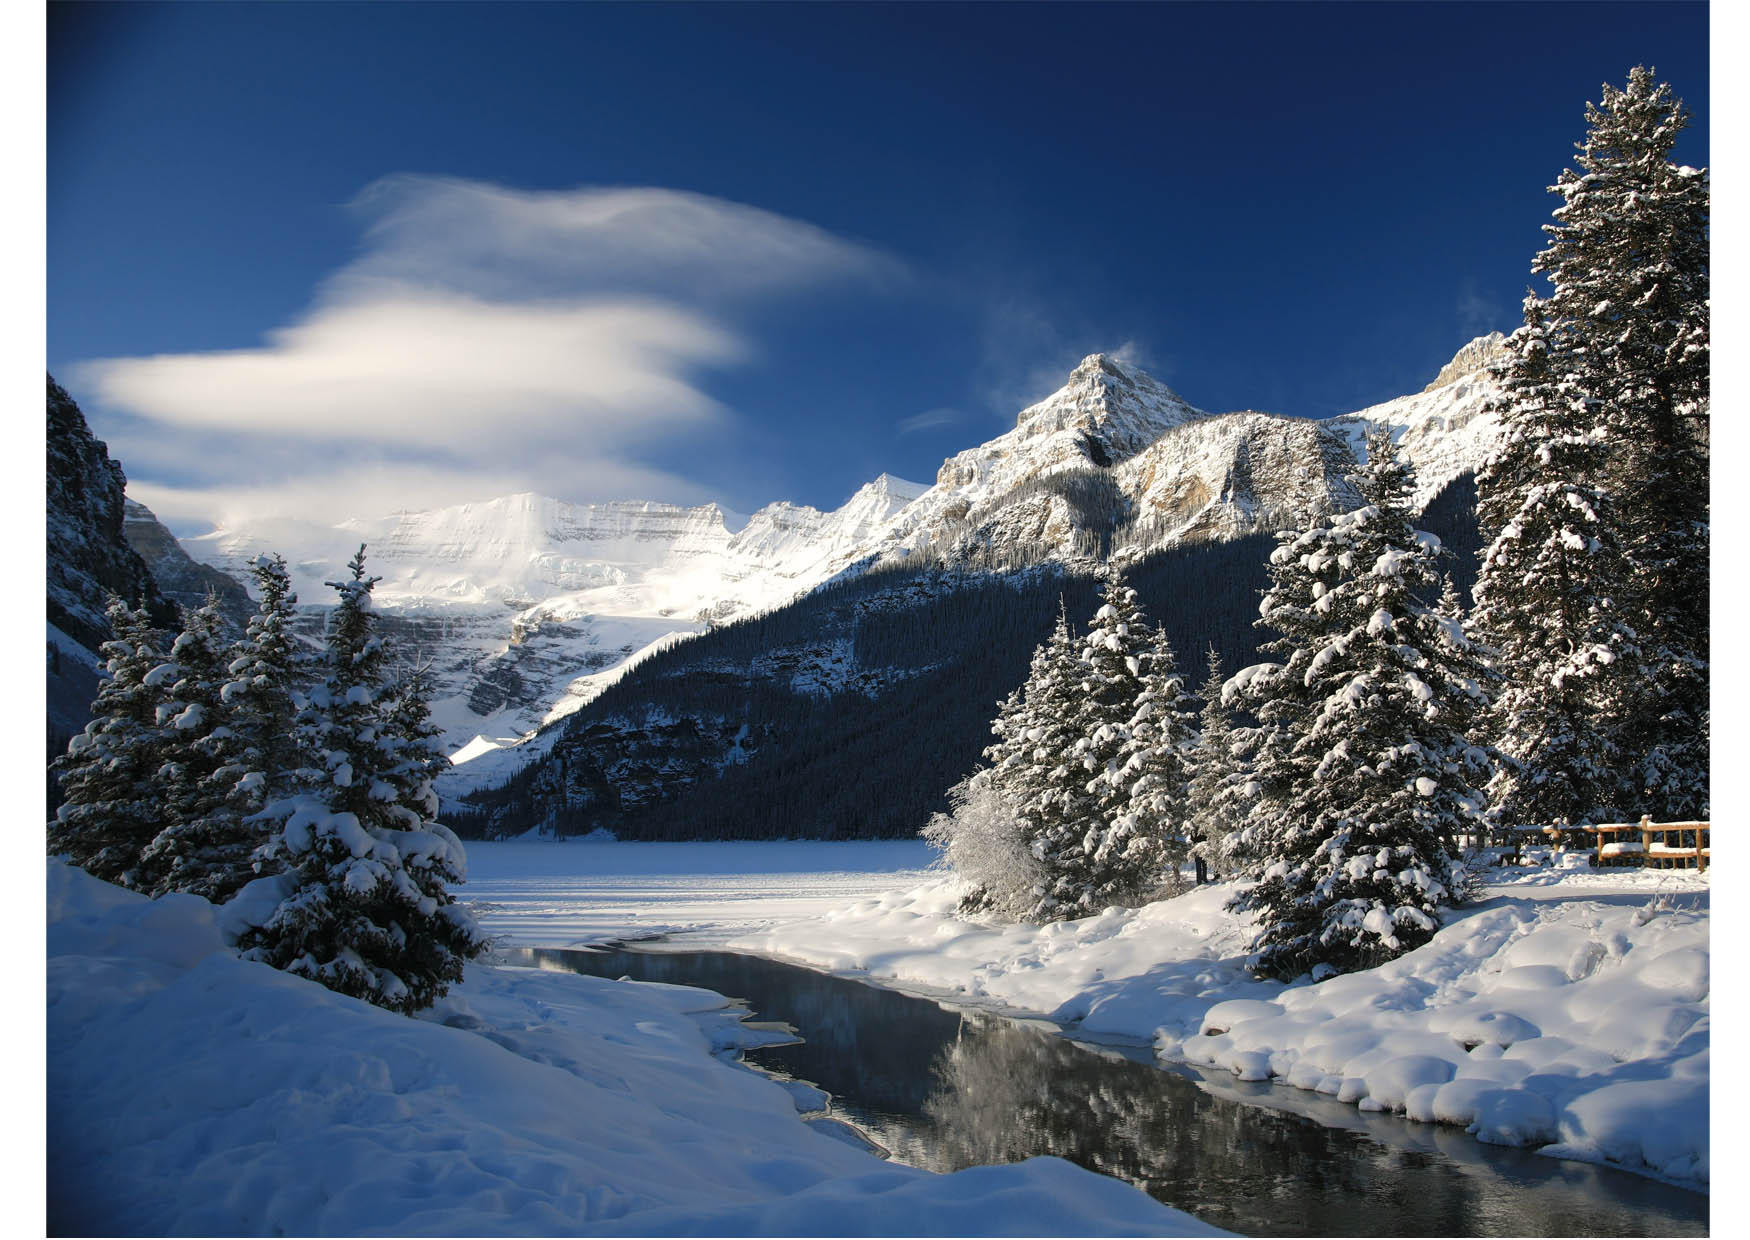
(1661, 851)
(1661, 843)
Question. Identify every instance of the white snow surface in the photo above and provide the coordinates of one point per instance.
(545, 893)
(191, 1092)
(1566, 1011)
(563, 598)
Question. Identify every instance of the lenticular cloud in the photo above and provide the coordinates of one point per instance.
(581, 322)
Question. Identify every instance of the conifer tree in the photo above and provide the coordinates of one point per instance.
(1382, 778)
(1467, 670)
(1215, 796)
(1303, 570)
(205, 846)
(1545, 596)
(1628, 317)
(1152, 772)
(995, 812)
(113, 800)
(366, 908)
(1093, 851)
(267, 674)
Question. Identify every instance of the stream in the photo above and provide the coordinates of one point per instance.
(944, 1089)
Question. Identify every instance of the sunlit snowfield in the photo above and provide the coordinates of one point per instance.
(548, 894)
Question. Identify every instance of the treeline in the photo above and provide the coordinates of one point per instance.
(940, 647)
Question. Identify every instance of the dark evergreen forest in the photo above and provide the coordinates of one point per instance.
(732, 736)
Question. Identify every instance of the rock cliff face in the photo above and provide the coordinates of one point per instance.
(88, 559)
(182, 579)
(1473, 359)
(88, 554)
(1114, 455)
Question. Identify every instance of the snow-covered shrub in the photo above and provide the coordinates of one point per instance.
(984, 842)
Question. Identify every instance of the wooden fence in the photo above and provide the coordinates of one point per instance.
(1659, 844)
(1656, 845)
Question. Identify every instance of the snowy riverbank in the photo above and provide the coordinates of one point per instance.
(191, 1092)
(1567, 1011)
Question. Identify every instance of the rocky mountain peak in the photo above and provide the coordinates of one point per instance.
(1473, 358)
(1116, 407)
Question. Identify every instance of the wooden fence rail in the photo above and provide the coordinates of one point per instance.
(1654, 846)
(1655, 851)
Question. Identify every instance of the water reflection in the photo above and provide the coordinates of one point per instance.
(946, 1090)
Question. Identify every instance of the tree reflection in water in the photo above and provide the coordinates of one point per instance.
(945, 1090)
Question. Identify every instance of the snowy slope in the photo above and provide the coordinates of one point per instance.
(1445, 429)
(530, 606)
(190, 1092)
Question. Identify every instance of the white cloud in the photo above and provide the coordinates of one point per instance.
(329, 496)
(1477, 315)
(496, 242)
(929, 419)
(416, 366)
(485, 340)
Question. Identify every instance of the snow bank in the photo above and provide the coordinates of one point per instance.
(190, 1092)
(1566, 1012)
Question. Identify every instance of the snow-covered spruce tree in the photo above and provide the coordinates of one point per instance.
(1468, 669)
(366, 908)
(205, 845)
(268, 672)
(114, 802)
(1152, 772)
(1384, 779)
(1628, 316)
(997, 811)
(1215, 797)
(1546, 597)
(1303, 569)
(1094, 852)
(410, 739)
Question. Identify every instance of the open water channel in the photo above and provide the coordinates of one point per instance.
(943, 1089)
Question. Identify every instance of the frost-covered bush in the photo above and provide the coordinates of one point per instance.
(984, 842)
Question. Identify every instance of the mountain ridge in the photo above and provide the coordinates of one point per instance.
(529, 606)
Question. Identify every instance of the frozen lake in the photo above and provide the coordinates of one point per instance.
(544, 893)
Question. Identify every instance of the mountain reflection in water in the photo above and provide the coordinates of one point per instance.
(945, 1090)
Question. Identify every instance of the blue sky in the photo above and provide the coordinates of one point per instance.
(305, 259)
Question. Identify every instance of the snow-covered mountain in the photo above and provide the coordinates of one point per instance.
(529, 607)
(1113, 448)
